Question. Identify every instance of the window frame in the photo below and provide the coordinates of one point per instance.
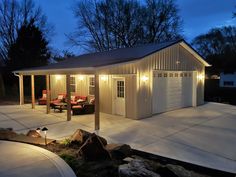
(73, 84)
(91, 86)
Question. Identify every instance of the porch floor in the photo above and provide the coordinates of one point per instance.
(204, 135)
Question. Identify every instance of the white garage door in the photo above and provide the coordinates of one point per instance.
(173, 90)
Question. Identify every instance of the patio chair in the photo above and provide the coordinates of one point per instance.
(43, 99)
(60, 98)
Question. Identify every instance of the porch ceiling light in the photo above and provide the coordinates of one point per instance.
(144, 78)
(104, 77)
(58, 77)
(81, 77)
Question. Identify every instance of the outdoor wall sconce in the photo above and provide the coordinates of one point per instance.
(58, 77)
(104, 77)
(144, 78)
(200, 76)
(45, 133)
(81, 78)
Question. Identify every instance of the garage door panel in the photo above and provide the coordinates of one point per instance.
(171, 93)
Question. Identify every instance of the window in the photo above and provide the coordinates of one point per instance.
(165, 75)
(72, 84)
(228, 83)
(120, 89)
(181, 74)
(159, 75)
(176, 74)
(185, 74)
(171, 75)
(91, 85)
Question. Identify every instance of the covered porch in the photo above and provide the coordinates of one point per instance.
(67, 74)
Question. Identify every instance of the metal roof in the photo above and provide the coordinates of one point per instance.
(99, 59)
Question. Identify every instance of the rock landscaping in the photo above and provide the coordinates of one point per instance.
(90, 155)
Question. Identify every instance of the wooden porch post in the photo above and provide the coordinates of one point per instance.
(68, 94)
(21, 89)
(97, 114)
(32, 91)
(48, 93)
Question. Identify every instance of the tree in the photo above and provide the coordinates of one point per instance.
(30, 48)
(57, 57)
(218, 46)
(110, 24)
(14, 14)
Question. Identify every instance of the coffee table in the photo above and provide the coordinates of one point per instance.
(59, 106)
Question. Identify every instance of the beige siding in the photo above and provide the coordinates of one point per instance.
(130, 96)
(105, 88)
(193, 64)
(174, 58)
(139, 92)
(57, 85)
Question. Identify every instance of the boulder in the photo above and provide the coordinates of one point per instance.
(119, 151)
(33, 133)
(136, 168)
(82, 135)
(7, 133)
(93, 149)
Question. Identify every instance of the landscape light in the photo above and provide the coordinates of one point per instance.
(45, 133)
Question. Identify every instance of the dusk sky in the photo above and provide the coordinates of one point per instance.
(198, 17)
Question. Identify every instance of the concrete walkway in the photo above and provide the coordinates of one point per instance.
(23, 160)
(205, 135)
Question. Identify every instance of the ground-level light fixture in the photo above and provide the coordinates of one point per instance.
(45, 129)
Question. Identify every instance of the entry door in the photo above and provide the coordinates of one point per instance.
(172, 90)
(119, 96)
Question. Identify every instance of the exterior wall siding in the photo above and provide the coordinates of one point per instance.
(57, 86)
(139, 92)
(174, 58)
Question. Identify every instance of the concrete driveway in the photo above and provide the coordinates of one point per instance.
(205, 135)
(18, 159)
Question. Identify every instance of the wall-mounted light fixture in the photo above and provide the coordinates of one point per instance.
(200, 76)
(81, 77)
(58, 77)
(144, 78)
(104, 77)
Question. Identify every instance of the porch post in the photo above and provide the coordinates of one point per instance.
(48, 93)
(21, 89)
(97, 115)
(32, 91)
(68, 94)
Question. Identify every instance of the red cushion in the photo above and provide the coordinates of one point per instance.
(83, 98)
